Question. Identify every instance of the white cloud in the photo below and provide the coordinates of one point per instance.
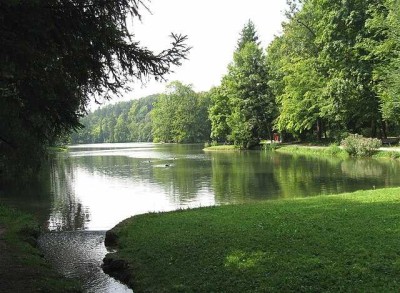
(213, 28)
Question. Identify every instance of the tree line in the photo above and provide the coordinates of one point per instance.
(179, 115)
(334, 70)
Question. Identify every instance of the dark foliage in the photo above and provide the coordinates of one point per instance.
(56, 55)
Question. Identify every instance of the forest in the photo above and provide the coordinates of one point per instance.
(334, 70)
(180, 116)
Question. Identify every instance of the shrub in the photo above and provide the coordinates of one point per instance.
(359, 146)
(214, 143)
(270, 146)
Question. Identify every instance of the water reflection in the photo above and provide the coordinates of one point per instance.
(67, 212)
(93, 187)
(244, 176)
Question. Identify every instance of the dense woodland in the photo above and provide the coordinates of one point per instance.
(333, 71)
(178, 115)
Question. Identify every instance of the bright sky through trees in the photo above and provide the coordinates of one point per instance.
(213, 28)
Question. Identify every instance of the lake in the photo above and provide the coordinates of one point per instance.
(91, 188)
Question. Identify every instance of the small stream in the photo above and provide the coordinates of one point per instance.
(91, 188)
(79, 255)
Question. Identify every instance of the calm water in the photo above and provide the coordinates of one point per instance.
(93, 187)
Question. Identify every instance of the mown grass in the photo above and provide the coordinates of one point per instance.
(22, 263)
(221, 148)
(394, 155)
(341, 243)
(333, 150)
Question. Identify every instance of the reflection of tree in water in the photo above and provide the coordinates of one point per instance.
(362, 168)
(180, 170)
(305, 175)
(378, 173)
(67, 212)
(300, 175)
(242, 176)
(182, 179)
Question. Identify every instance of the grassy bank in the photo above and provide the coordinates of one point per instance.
(221, 148)
(22, 268)
(333, 151)
(387, 154)
(348, 242)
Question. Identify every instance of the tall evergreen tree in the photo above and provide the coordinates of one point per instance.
(244, 91)
(247, 35)
(56, 55)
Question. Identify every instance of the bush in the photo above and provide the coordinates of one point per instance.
(359, 146)
(211, 144)
(270, 146)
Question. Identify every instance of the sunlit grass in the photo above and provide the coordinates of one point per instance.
(387, 155)
(221, 148)
(332, 151)
(348, 242)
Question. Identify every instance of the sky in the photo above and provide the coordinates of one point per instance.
(213, 28)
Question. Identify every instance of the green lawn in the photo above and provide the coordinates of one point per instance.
(332, 151)
(227, 147)
(348, 242)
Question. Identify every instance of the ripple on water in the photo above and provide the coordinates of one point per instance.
(79, 254)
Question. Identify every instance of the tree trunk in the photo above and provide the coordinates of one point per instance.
(319, 129)
(373, 128)
(384, 129)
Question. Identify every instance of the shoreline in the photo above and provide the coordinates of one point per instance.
(314, 150)
(232, 247)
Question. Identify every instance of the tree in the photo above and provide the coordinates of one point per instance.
(295, 76)
(247, 35)
(218, 113)
(244, 105)
(327, 63)
(180, 115)
(389, 72)
(253, 106)
(139, 119)
(56, 55)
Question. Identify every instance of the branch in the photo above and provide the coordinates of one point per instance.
(8, 143)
